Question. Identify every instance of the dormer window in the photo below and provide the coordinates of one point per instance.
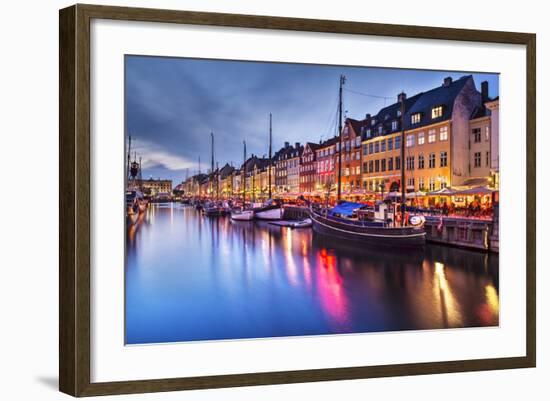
(437, 112)
(398, 113)
(415, 118)
(373, 121)
(394, 125)
(380, 130)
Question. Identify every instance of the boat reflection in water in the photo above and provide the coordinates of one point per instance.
(189, 278)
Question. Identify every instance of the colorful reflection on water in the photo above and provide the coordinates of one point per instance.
(190, 277)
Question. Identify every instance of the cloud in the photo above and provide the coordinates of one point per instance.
(153, 155)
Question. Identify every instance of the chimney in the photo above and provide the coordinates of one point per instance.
(297, 145)
(484, 91)
(367, 116)
(287, 144)
(447, 81)
(401, 97)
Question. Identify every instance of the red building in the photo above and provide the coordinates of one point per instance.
(308, 168)
(325, 164)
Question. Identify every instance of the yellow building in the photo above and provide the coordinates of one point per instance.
(438, 150)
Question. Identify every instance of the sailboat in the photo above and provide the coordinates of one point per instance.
(272, 209)
(351, 221)
(242, 214)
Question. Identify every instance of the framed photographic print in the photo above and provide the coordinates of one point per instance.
(251, 200)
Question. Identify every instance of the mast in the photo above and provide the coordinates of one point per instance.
(217, 175)
(212, 162)
(199, 176)
(128, 161)
(342, 82)
(269, 164)
(243, 179)
(403, 194)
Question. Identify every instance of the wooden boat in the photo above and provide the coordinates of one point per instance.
(270, 211)
(136, 204)
(242, 215)
(367, 232)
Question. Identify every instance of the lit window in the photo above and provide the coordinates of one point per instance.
(432, 184)
(421, 138)
(415, 118)
(431, 136)
(410, 141)
(421, 183)
(437, 111)
(443, 133)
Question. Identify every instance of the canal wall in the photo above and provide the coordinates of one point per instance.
(463, 232)
(295, 213)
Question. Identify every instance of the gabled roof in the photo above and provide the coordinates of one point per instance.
(444, 95)
(226, 171)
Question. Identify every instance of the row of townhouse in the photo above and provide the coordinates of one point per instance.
(450, 139)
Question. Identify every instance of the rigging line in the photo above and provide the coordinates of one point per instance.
(368, 94)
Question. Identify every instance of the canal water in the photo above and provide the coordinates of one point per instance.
(191, 277)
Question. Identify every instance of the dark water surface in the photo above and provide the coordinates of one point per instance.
(190, 277)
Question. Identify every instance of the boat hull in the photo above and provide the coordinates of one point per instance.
(246, 215)
(269, 214)
(378, 236)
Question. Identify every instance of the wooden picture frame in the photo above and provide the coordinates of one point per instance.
(74, 199)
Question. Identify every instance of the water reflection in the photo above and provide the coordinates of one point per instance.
(190, 277)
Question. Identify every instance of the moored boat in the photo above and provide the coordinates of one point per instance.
(242, 215)
(370, 232)
(269, 212)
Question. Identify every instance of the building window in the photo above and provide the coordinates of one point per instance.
(443, 159)
(346, 130)
(420, 162)
(390, 144)
(371, 166)
(437, 112)
(394, 125)
(443, 133)
(390, 164)
(376, 166)
(487, 133)
(432, 184)
(421, 138)
(383, 146)
(371, 148)
(397, 142)
(421, 183)
(365, 167)
(380, 128)
(410, 163)
(431, 160)
(410, 182)
(487, 159)
(415, 118)
(377, 147)
(383, 165)
(358, 141)
(398, 163)
(477, 135)
(365, 150)
(477, 159)
(368, 133)
(346, 171)
(358, 170)
(338, 147)
(373, 121)
(431, 136)
(443, 183)
(409, 141)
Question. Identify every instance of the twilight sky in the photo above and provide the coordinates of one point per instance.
(172, 105)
